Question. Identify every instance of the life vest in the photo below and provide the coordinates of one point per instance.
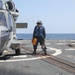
(39, 31)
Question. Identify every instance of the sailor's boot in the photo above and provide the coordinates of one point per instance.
(44, 49)
(34, 50)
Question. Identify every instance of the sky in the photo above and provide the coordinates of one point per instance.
(57, 16)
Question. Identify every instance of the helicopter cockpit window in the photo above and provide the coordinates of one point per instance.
(2, 20)
(10, 20)
(0, 4)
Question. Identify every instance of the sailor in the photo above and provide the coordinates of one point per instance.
(39, 34)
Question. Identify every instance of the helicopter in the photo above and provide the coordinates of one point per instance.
(8, 17)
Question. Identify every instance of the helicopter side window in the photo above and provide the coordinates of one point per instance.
(10, 21)
(2, 20)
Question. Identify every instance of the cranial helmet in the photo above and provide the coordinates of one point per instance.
(39, 22)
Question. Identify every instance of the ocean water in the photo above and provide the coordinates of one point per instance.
(49, 36)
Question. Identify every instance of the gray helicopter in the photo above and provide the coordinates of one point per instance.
(8, 16)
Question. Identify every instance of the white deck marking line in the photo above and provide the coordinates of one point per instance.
(64, 43)
(70, 49)
(28, 59)
(58, 51)
(73, 43)
(60, 43)
(20, 56)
